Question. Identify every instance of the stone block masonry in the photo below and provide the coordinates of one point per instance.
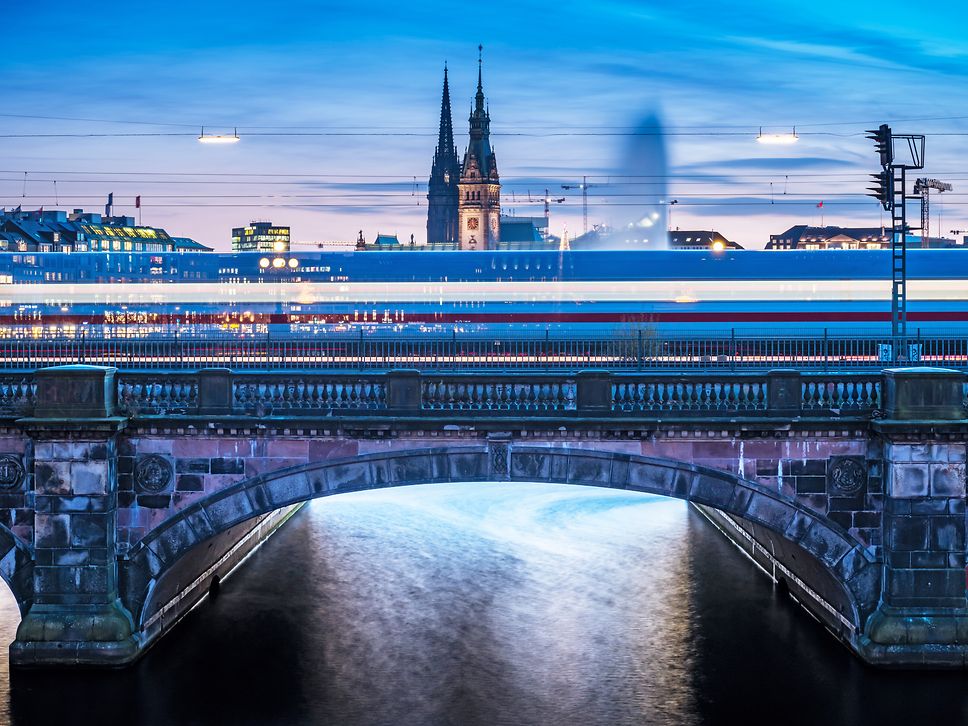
(76, 615)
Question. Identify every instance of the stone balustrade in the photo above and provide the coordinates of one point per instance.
(775, 393)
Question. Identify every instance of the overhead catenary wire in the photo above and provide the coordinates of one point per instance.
(235, 124)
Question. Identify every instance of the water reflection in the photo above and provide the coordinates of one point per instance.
(490, 604)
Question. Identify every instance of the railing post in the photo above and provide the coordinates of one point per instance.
(826, 351)
(403, 390)
(732, 349)
(923, 394)
(784, 392)
(215, 391)
(594, 393)
(547, 349)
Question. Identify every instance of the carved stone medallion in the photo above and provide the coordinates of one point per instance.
(846, 474)
(153, 473)
(11, 471)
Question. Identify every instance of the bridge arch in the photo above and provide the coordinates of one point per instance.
(847, 561)
(17, 568)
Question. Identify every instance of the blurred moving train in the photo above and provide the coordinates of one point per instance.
(577, 292)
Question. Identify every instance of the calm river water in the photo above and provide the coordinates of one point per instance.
(491, 604)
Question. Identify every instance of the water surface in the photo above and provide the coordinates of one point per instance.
(491, 604)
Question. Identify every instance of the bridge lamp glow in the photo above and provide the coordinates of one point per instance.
(218, 138)
(278, 263)
(264, 263)
(294, 263)
(778, 139)
(718, 246)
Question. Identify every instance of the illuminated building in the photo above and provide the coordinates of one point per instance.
(260, 237)
(804, 237)
(700, 240)
(80, 231)
(479, 196)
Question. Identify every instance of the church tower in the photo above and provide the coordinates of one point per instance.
(480, 185)
(444, 175)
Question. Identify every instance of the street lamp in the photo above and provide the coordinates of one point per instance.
(218, 138)
(791, 138)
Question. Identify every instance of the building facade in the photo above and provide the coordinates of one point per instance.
(260, 237)
(57, 231)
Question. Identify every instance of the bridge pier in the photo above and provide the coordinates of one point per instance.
(923, 614)
(76, 617)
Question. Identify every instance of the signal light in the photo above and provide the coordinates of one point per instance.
(882, 191)
(881, 137)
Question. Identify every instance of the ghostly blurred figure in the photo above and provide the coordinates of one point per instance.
(637, 195)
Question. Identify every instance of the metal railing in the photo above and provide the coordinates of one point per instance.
(639, 351)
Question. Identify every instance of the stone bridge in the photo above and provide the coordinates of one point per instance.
(122, 497)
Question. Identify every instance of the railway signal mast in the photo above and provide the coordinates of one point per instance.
(889, 189)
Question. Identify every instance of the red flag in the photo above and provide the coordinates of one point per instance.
(819, 204)
(137, 202)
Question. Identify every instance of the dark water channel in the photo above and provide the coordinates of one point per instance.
(492, 604)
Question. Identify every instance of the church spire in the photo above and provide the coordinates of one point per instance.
(445, 138)
(480, 127)
(444, 177)
(479, 98)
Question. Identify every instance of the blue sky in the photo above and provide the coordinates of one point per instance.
(564, 82)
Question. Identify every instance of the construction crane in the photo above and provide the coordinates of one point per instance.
(548, 199)
(584, 200)
(922, 187)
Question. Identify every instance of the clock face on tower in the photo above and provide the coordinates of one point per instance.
(472, 223)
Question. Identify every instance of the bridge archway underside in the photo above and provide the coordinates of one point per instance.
(848, 561)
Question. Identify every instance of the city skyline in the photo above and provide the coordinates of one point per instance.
(562, 103)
